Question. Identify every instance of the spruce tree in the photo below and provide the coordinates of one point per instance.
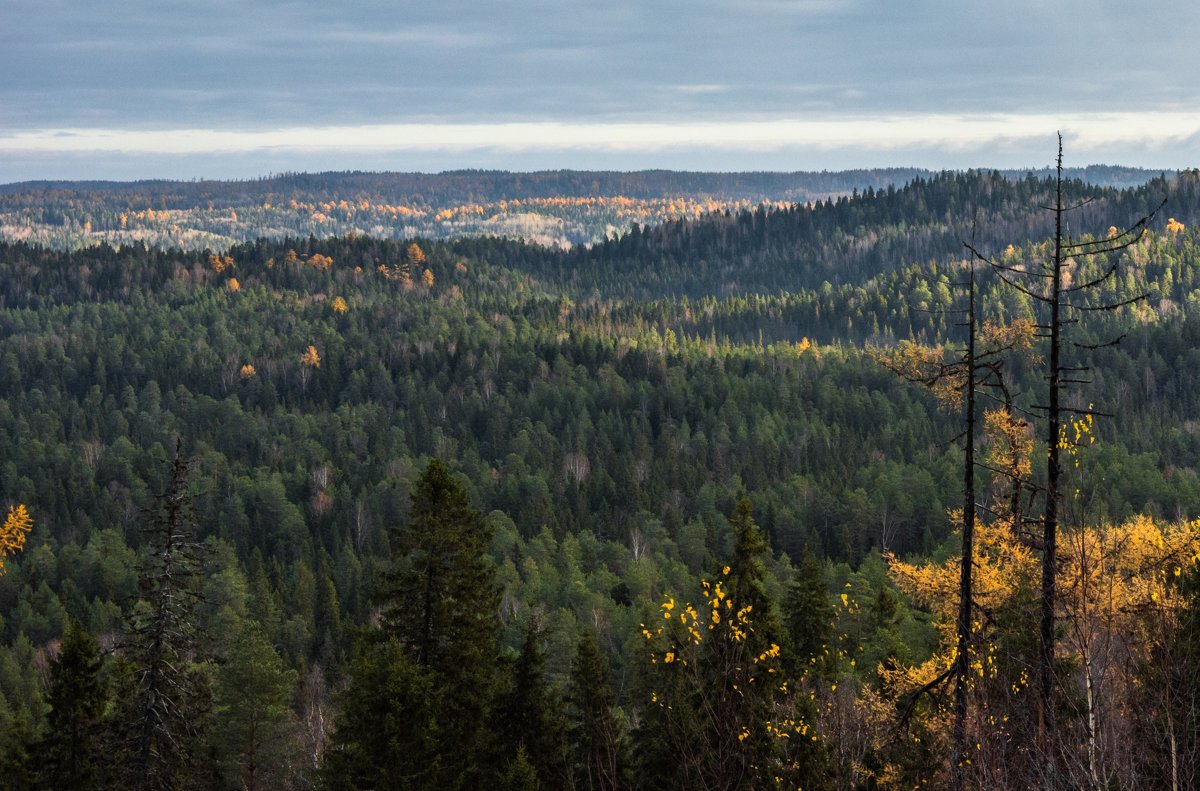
(386, 731)
(595, 732)
(807, 616)
(72, 751)
(528, 716)
(441, 602)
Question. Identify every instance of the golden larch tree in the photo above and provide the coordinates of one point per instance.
(14, 531)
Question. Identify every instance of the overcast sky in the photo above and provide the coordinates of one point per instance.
(239, 88)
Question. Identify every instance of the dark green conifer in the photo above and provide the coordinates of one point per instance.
(520, 774)
(251, 712)
(441, 602)
(72, 752)
(164, 713)
(595, 734)
(387, 731)
(807, 615)
(528, 716)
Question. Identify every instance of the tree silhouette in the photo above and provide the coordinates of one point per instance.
(1050, 285)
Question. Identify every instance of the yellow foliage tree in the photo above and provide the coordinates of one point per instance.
(339, 305)
(1118, 603)
(710, 653)
(722, 702)
(14, 531)
(415, 255)
(311, 358)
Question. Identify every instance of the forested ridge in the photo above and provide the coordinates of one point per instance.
(558, 208)
(435, 499)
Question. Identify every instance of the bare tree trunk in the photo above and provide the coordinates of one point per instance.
(963, 626)
(1053, 470)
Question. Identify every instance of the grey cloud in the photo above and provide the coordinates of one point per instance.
(233, 63)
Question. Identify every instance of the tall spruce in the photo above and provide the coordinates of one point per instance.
(72, 751)
(807, 616)
(529, 717)
(442, 602)
(595, 733)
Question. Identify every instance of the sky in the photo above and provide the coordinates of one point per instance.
(131, 89)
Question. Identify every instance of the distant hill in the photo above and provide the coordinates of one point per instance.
(555, 208)
(849, 239)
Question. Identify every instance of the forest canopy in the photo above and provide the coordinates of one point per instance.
(640, 513)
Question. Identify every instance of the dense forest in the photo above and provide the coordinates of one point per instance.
(556, 208)
(357, 512)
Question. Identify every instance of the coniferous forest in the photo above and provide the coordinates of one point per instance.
(683, 507)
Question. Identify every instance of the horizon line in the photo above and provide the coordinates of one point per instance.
(958, 132)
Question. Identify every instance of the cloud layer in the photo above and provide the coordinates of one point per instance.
(179, 77)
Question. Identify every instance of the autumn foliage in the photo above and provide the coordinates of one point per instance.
(14, 531)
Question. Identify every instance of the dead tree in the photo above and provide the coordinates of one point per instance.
(1061, 301)
(167, 701)
(959, 380)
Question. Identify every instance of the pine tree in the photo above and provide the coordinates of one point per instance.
(251, 713)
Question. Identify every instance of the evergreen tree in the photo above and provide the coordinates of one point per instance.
(387, 731)
(442, 603)
(164, 714)
(72, 754)
(595, 734)
(751, 709)
(527, 715)
(807, 615)
(747, 573)
(714, 695)
(520, 775)
(251, 716)
(19, 755)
